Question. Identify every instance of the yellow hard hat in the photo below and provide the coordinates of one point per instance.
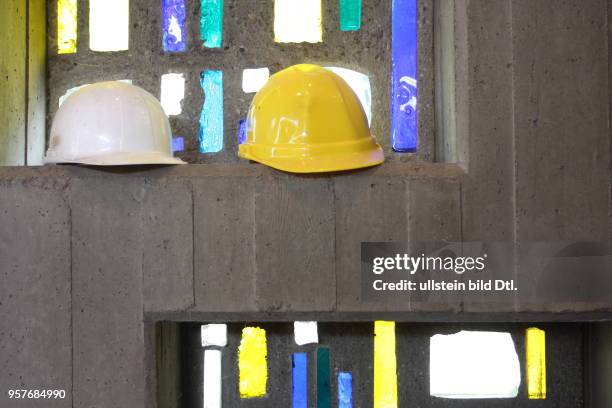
(306, 119)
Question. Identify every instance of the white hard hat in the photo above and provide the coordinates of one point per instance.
(111, 124)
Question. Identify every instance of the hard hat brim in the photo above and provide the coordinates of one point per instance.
(315, 163)
(119, 159)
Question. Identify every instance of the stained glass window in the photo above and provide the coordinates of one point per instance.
(404, 86)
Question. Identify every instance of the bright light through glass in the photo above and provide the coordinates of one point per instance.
(472, 365)
(360, 84)
(172, 93)
(66, 26)
(109, 25)
(298, 21)
(253, 79)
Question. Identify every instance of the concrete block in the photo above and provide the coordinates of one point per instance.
(487, 191)
(224, 256)
(35, 321)
(434, 216)
(294, 243)
(108, 334)
(367, 209)
(562, 120)
(151, 364)
(13, 68)
(435, 210)
(167, 222)
(168, 353)
(600, 356)
(427, 72)
(562, 145)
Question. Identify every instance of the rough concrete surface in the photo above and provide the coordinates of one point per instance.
(35, 288)
(294, 270)
(224, 210)
(167, 220)
(108, 336)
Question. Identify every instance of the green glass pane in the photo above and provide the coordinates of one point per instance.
(350, 15)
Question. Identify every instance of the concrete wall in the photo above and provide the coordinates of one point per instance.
(23, 82)
(89, 257)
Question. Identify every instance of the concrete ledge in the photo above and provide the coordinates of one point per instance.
(410, 170)
(370, 316)
(208, 240)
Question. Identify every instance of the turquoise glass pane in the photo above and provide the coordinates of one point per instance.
(350, 15)
(211, 23)
(211, 118)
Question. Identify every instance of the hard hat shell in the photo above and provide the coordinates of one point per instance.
(306, 119)
(110, 124)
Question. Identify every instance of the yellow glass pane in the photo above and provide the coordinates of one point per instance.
(66, 26)
(535, 346)
(252, 363)
(385, 370)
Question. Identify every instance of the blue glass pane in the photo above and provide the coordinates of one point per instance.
(242, 134)
(300, 380)
(345, 390)
(173, 21)
(404, 90)
(178, 144)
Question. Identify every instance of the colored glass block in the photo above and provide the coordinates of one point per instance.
(211, 23)
(173, 25)
(404, 89)
(305, 333)
(323, 378)
(254, 79)
(172, 93)
(178, 144)
(535, 347)
(385, 365)
(214, 335)
(345, 390)
(360, 84)
(298, 21)
(252, 363)
(487, 366)
(350, 15)
(109, 25)
(66, 26)
(242, 134)
(211, 118)
(212, 379)
(299, 378)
